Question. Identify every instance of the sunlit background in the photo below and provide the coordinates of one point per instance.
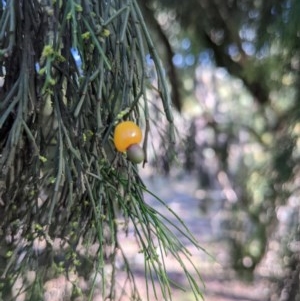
(236, 176)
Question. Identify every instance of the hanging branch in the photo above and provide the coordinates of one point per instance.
(72, 71)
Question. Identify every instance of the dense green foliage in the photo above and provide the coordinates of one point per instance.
(70, 71)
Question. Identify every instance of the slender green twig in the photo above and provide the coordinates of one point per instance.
(114, 16)
(8, 111)
(97, 44)
(11, 31)
(31, 138)
(125, 25)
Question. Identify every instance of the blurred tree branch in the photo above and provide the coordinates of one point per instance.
(162, 38)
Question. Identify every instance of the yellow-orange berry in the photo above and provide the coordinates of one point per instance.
(126, 134)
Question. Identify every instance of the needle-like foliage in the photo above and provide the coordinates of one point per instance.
(71, 70)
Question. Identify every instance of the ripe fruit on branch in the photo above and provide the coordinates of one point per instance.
(127, 137)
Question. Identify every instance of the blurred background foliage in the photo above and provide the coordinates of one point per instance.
(234, 71)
